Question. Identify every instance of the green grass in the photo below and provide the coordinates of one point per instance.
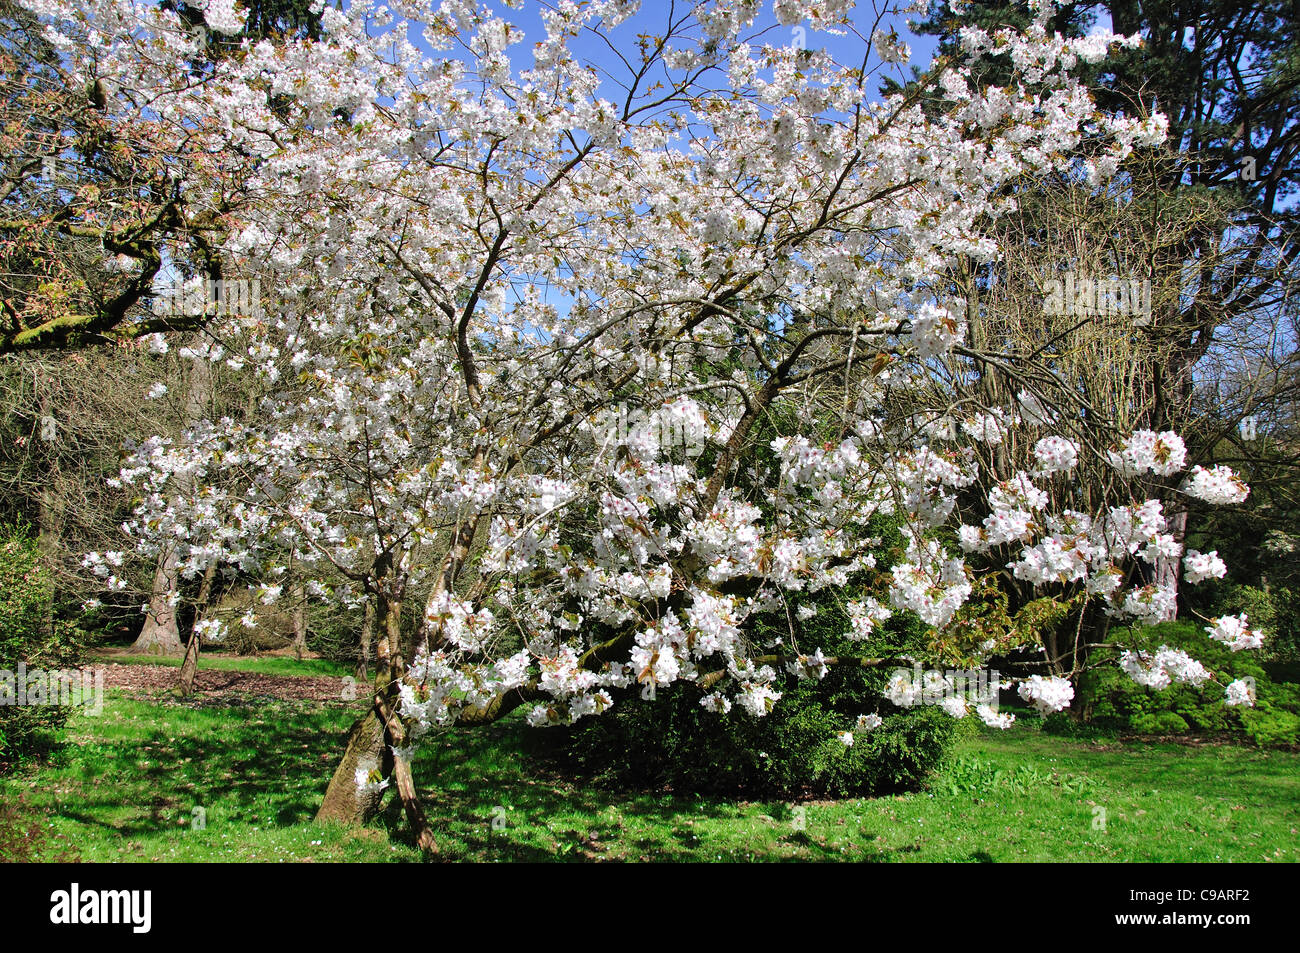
(263, 665)
(1014, 796)
(125, 785)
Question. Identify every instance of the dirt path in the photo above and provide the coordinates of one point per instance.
(153, 680)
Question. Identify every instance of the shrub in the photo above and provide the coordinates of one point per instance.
(1107, 697)
(795, 749)
(1158, 723)
(335, 634)
(674, 742)
(332, 633)
(1277, 612)
(273, 628)
(28, 635)
(1269, 725)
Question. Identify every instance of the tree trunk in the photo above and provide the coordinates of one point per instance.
(191, 664)
(368, 746)
(367, 628)
(411, 805)
(190, 667)
(160, 634)
(299, 618)
(344, 803)
(372, 741)
(1167, 567)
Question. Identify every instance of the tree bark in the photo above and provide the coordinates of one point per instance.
(299, 618)
(411, 805)
(344, 803)
(373, 740)
(367, 629)
(191, 664)
(1167, 567)
(368, 746)
(160, 634)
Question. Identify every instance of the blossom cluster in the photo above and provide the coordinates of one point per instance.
(1231, 631)
(1164, 668)
(1047, 693)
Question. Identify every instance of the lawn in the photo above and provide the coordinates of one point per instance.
(262, 665)
(153, 779)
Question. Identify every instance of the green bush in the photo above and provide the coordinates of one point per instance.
(1158, 723)
(1268, 725)
(28, 636)
(1277, 612)
(1107, 697)
(674, 742)
(795, 749)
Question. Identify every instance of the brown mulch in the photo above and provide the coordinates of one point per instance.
(1191, 740)
(152, 680)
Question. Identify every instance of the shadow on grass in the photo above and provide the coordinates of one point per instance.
(140, 770)
(488, 799)
(264, 764)
(143, 767)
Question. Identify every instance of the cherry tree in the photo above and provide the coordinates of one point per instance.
(578, 369)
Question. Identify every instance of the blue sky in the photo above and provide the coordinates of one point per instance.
(654, 14)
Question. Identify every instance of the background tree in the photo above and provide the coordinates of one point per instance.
(1208, 210)
(98, 189)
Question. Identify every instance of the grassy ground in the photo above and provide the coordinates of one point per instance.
(1019, 795)
(127, 784)
(263, 665)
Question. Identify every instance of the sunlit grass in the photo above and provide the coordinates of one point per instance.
(125, 786)
(263, 665)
